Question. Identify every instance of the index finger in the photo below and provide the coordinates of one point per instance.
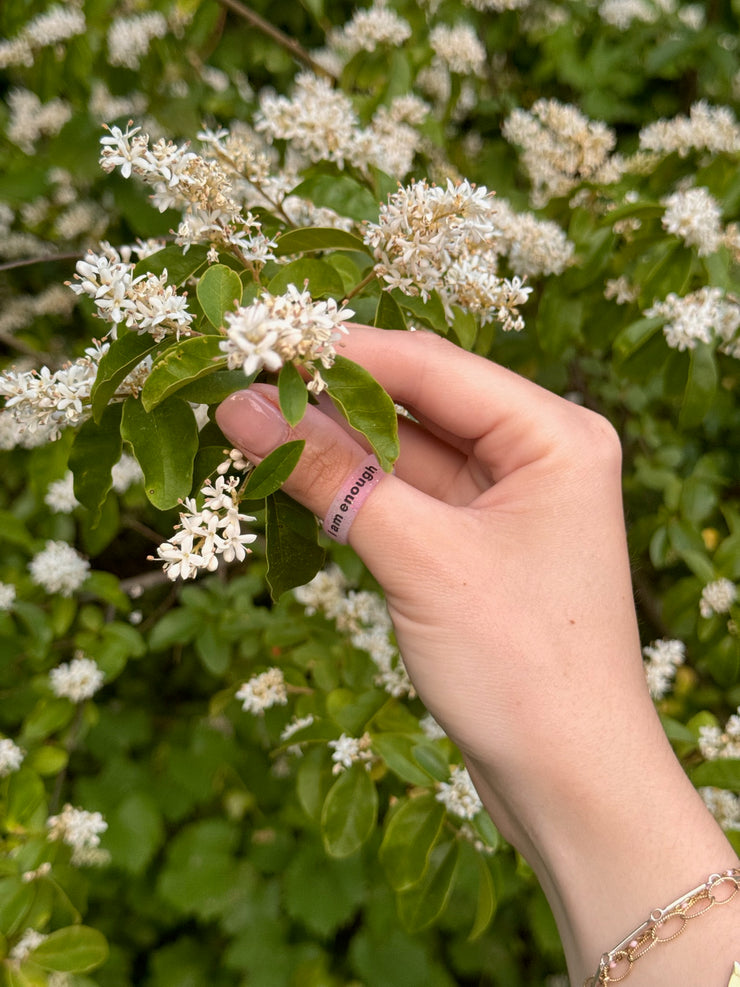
(507, 420)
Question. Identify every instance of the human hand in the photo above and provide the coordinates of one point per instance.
(500, 545)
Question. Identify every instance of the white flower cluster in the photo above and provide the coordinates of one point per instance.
(185, 180)
(534, 246)
(716, 743)
(76, 680)
(278, 329)
(706, 128)
(11, 757)
(26, 945)
(30, 119)
(207, 534)
(7, 597)
(145, 303)
(724, 806)
(263, 691)
(364, 617)
(125, 473)
(497, 6)
(699, 317)
(60, 495)
(459, 48)
(695, 216)
(562, 148)
(662, 657)
(621, 13)
(458, 795)
(129, 38)
(54, 25)
(351, 750)
(320, 124)
(21, 310)
(59, 568)
(377, 25)
(717, 597)
(80, 830)
(444, 239)
(621, 290)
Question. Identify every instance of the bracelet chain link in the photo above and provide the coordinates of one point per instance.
(664, 925)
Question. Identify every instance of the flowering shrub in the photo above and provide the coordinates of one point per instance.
(213, 766)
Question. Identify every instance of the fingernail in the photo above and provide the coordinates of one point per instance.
(252, 423)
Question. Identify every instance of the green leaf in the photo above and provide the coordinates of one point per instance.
(366, 406)
(341, 193)
(429, 757)
(213, 651)
(75, 949)
(408, 840)
(179, 266)
(48, 760)
(135, 832)
(486, 901)
(165, 441)
(396, 749)
(310, 238)
(388, 314)
(219, 291)
(689, 545)
(352, 710)
(16, 900)
(186, 361)
(420, 905)
(431, 311)
(95, 451)
(215, 387)
(293, 553)
(349, 812)
(317, 276)
(465, 327)
(274, 470)
(633, 337)
(559, 320)
(26, 797)
(124, 355)
(700, 387)
(292, 393)
(724, 773)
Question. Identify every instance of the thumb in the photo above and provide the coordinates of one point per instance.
(252, 421)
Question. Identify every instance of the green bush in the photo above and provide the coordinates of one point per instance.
(230, 780)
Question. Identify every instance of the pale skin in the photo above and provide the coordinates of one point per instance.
(500, 545)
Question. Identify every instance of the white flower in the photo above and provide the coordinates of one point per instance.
(459, 48)
(59, 568)
(76, 680)
(431, 728)
(79, 829)
(711, 128)
(125, 473)
(296, 724)
(459, 795)
(277, 329)
(60, 497)
(11, 757)
(377, 25)
(55, 24)
(351, 750)
(714, 742)
(621, 13)
(694, 215)
(26, 945)
(717, 597)
(724, 806)
(263, 691)
(7, 596)
(129, 38)
(30, 119)
(662, 657)
(699, 317)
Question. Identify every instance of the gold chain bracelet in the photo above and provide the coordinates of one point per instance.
(664, 925)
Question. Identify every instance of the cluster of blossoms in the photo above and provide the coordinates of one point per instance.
(80, 830)
(694, 215)
(11, 757)
(263, 691)
(288, 328)
(209, 533)
(60, 494)
(377, 25)
(27, 943)
(662, 658)
(458, 795)
(129, 38)
(51, 27)
(145, 303)
(562, 148)
(706, 128)
(7, 597)
(364, 617)
(59, 568)
(699, 317)
(76, 680)
(716, 743)
(445, 239)
(187, 181)
(724, 806)
(347, 751)
(459, 48)
(717, 597)
(30, 119)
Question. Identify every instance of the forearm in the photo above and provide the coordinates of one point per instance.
(611, 839)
